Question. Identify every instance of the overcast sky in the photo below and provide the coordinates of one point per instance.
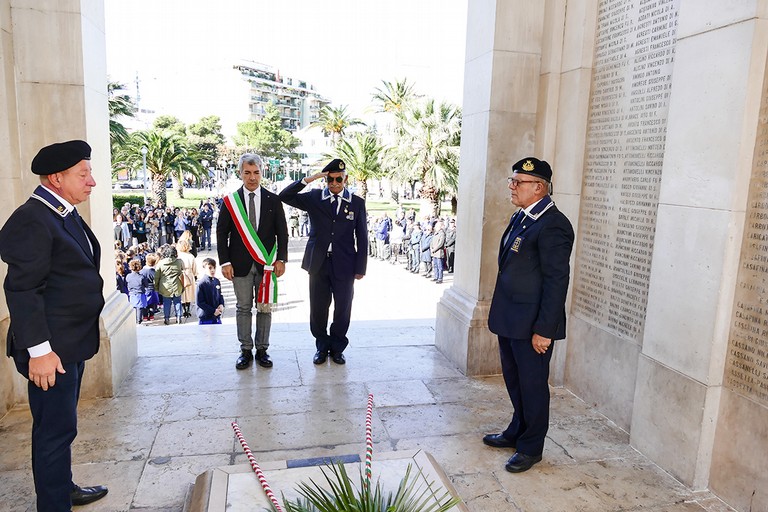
(183, 50)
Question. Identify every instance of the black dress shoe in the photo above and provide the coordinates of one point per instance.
(498, 441)
(338, 358)
(320, 357)
(263, 359)
(86, 495)
(244, 361)
(520, 462)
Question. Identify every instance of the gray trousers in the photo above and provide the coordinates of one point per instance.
(246, 288)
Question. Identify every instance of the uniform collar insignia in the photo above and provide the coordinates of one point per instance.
(345, 195)
(542, 206)
(45, 196)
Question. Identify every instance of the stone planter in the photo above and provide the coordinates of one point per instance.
(236, 488)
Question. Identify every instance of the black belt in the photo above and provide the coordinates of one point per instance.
(328, 254)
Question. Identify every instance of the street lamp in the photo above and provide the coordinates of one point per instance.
(144, 165)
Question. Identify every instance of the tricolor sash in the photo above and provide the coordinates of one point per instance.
(268, 286)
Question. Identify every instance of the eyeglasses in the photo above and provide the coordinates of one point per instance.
(515, 182)
(337, 179)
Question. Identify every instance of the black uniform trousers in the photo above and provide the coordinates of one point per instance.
(323, 286)
(526, 374)
(54, 428)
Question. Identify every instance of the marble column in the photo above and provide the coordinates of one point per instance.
(501, 92)
(54, 88)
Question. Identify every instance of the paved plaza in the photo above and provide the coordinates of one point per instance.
(170, 420)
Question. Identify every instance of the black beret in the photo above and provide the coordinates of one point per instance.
(60, 157)
(335, 165)
(531, 166)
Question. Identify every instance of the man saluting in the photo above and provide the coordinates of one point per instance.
(336, 255)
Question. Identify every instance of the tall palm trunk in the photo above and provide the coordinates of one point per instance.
(157, 189)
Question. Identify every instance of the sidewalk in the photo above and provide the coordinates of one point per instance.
(171, 418)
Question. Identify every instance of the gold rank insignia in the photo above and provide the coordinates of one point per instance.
(341, 165)
(528, 166)
(60, 209)
(516, 244)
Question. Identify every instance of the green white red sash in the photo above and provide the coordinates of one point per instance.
(268, 286)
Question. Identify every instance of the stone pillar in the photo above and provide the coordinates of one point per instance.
(501, 93)
(700, 418)
(53, 88)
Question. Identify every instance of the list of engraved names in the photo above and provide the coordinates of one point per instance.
(746, 368)
(631, 85)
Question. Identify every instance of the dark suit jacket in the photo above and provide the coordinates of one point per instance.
(53, 287)
(272, 229)
(208, 297)
(347, 229)
(532, 283)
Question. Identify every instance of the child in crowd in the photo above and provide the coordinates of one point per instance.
(137, 289)
(168, 282)
(120, 276)
(153, 299)
(210, 303)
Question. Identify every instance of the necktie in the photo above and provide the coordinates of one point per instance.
(79, 221)
(252, 210)
(335, 202)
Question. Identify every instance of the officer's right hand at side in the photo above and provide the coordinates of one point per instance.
(43, 369)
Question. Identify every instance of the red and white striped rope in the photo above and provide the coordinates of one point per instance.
(368, 442)
(256, 468)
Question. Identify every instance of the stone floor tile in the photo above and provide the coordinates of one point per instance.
(194, 437)
(403, 392)
(601, 486)
(472, 389)
(103, 439)
(17, 490)
(121, 478)
(165, 481)
(255, 401)
(312, 428)
(459, 454)
(439, 419)
(123, 409)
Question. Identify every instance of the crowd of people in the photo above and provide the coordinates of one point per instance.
(160, 225)
(426, 247)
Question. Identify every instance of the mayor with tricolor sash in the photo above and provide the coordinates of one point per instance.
(252, 239)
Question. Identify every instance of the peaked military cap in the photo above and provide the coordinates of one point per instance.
(335, 165)
(533, 167)
(60, 157)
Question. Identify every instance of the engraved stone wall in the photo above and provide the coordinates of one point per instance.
(746, 368)
(631, 85)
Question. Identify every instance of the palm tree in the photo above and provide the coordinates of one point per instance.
(395, 98)
(334, 122)
(168, 155)
(429, 149)
(363, 158)
(119, 105)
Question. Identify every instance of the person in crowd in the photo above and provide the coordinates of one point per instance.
(153, 230)
(206, 223)
(179, 223)
(396, 237)
(140, 228)
(189, 276)
(293, 222)
(187, 235)
(252, 242)
(303, 223)
(193, 226)
(210, 302)
(120, 284)
(437, 251)
(153, 300)
(136, 283)
(335, 255)
(527, 310)
(168, 282)
(414, 252)
(382, 237)
(170, 221)
(450, 245)
(50, 251)
(426, 254)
